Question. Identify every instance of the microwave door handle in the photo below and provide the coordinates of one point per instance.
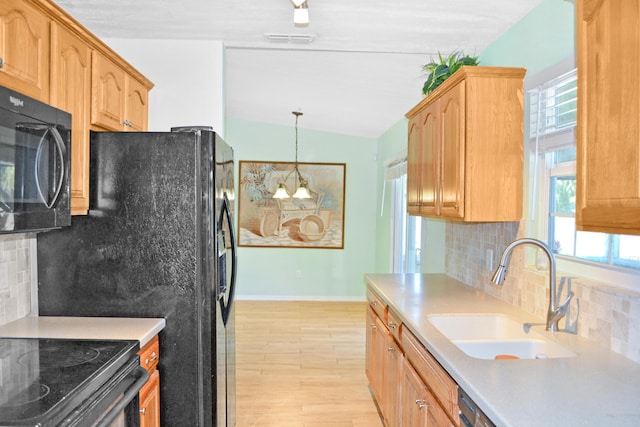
(61, 152)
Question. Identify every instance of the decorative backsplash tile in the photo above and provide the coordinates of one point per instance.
(609, 316)
(15, 276)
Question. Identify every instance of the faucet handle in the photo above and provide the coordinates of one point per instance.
(569, 326)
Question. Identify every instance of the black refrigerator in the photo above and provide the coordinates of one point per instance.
(158, 242)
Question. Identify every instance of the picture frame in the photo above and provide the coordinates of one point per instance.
(316, 222)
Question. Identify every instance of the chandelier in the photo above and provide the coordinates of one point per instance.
(302, 191)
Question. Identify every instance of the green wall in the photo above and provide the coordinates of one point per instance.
(325, 274)
(544, 37)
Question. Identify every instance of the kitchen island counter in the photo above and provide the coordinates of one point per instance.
(597, 387)
(99, 328)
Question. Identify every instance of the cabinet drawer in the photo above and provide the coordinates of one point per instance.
(393, 324)
(377, 305)
(150, 355)
(441, 384)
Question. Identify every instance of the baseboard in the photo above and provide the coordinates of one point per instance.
(301, 298)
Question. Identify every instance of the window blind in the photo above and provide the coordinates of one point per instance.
(553, 113)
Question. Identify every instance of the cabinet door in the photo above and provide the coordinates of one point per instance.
(414, 165)
(370, 337)
(452, 146)
(429, 161)
(419, 407)
(24, 49)
(391, 378)
(150, 402)
(136, 106)
(71, 92)
(379, 350)
(107, 94)
(608, 134)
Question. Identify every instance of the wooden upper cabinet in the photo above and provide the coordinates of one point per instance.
(471, 147)
(608, 131)
(24, 49)
(414, 165)
(136, 105)
(453, 154)
(422, 164)
(119, 102)
(47, 55)
(107, 93)
(71, 92)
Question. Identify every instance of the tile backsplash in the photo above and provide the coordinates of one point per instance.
(609, 316)
(15, 276)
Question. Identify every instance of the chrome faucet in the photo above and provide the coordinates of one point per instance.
(555, 311)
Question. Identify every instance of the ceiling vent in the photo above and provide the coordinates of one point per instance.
(290, 38)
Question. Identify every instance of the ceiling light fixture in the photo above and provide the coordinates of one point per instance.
(302, 191)
(300, 13)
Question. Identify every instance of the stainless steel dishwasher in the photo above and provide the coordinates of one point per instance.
(470, 413)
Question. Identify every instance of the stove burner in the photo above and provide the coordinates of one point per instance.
(59, 356)
(32, 393)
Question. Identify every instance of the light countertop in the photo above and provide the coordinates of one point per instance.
(597, 388)
(99, 328)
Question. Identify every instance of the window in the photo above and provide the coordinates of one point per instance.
(405, 229)
(552, 135)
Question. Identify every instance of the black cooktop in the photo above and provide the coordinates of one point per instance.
(43, 379)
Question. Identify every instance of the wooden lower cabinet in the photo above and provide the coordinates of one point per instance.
(150, 393)
(408, 384)
(376, 340)
(391, 380)
(150, 402)
(419, 407)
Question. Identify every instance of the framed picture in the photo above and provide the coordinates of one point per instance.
(292, 222)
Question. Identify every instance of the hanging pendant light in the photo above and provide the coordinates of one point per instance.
(302, 190)
(300, 13)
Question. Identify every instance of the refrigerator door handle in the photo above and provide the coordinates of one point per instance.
(226, 212)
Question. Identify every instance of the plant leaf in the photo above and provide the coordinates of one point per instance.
(441, 71)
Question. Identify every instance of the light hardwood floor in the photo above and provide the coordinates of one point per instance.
(301, 364)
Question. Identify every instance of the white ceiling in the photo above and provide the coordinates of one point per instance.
(359, 76)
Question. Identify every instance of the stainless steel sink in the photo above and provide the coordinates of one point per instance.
(493, 335)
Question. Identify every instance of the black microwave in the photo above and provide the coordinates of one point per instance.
(35, 148)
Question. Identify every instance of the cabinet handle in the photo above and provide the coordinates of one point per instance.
(143, 411)
(391, 348)
(1, 62)
(152, 359)
(421, 403)
(127, 123)
(373, 326)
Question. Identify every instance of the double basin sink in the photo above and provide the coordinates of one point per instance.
(496, 336)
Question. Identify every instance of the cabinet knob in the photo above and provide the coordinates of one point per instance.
(143, 411)
(373, 326)
(391, 348)
(1, 62)
(152, 359)
(392, 325)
